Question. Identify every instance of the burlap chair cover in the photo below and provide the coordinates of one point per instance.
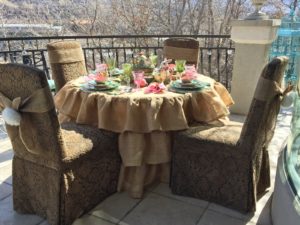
(229, 165)
(71, 169)
(182, 48)
(66, 61)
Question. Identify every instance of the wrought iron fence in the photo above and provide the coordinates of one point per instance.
(216, 51)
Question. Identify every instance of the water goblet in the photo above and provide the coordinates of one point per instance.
(127, 69)
(111, 63)
(138, 77)
(180, 65)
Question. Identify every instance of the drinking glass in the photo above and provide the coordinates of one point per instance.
(180, 65)
(127, 69)
(161, 75)
(127, 79)
(138, 77)
(111, 63)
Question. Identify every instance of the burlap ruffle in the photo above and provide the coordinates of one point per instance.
(143, 121)
(142, 113)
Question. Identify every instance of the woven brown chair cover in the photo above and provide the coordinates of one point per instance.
(182, 48)
(74, 168)
(229, 165)
(66, 61)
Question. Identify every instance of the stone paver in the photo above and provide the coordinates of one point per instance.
(9, 217)
(5, 190)
(115, 207)
(159, 206)
(160, 210)
(5, 173)
(164, 190)
(213, 218)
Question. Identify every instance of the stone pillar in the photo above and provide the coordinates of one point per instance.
(253, 39)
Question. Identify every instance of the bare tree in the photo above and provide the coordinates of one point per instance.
(136, 16)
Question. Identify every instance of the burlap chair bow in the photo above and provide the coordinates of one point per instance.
(13, 114)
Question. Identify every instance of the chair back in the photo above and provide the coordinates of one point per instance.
(66, 61)
(260, 123)
(38, 134)
(182, 48)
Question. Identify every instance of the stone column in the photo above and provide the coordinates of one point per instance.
(253, 39)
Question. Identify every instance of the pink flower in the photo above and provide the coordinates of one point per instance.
(189, 75)
(100, 78)
(172, 67)
(155, 88)
(101, 67)
(141, 82)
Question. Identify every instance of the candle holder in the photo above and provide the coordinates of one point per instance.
(258, 15)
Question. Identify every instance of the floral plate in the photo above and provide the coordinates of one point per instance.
(193, 85)
(93, 86)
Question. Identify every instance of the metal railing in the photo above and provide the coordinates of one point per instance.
(216, 51)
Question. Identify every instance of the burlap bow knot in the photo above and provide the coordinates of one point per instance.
(15, 114)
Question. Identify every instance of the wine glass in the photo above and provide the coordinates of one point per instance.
(127, 69)
(161, 75)
(111, 63)
(138, 77)
(180, 65)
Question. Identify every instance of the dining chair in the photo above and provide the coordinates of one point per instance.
(229, 165)
(66, 61)
(182, 48)
(59, 171)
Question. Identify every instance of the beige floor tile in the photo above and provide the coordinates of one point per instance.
(5, 190)
(91, 220)
(6, 173)
(163, 189)
(86, 220)
(262, 211)
(115, 207)
(10, 217)
(44, 223)
(214, 218)
(159, 210)
(229, 212)
(6, 157)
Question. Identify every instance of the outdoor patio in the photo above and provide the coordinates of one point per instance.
(159, 206)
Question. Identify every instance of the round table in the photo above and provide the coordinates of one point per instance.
(144, 123)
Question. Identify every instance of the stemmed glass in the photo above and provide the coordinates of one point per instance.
(127, 71)
(180, 65)
(161, 75)
(111, 63)
(138, 77)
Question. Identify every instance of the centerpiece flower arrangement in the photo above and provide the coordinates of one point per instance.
(100, 75)
(143, 63)
(189, 74)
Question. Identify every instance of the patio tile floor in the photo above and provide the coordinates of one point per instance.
(158, 207)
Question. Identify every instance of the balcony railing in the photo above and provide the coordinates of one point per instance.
(216, 51)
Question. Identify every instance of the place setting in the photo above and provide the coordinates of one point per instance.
(143, 75)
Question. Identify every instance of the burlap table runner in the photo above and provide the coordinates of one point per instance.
(144, 122)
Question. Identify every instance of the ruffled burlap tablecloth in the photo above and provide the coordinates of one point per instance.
(144, 122)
